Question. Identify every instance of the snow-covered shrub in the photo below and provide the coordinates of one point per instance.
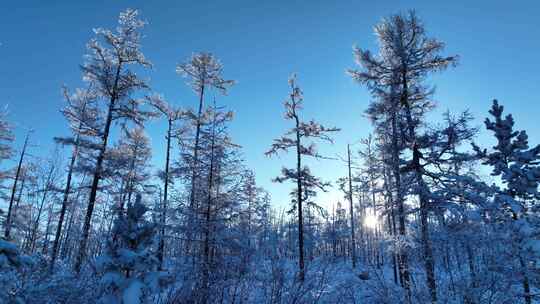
(12, 264)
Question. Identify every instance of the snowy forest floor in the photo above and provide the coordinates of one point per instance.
(327, 280)
(333, 280)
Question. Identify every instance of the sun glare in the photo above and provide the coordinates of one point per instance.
(371, 221)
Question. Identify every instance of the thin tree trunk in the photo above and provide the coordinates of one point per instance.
(360, 226)
(351, 209)
(131, 175)
(422, 188)
(65, 201)
(14, 189)
(526, 284)
(19, 196)
(196, 147)
(391, 215)
(69, 228)
(301, 274)
(161, 246)
(206, 248)
(192, 199)
(45, 248)
(48, 186)
(97, 177)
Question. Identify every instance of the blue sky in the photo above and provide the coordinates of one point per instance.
(260, 43)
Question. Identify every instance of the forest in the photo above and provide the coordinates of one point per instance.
(427, 214)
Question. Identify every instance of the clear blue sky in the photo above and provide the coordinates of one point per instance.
(260, 44)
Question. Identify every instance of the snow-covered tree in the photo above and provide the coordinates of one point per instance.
(48, 175)
(173, 115)
(11, 262)
(129, 269)
(203, 71)
(396, 78)
(130, 159)
(81, 113)
(6, 139)
(515, 203)
(7, 223)
(299, 138)
(254, 216)
(108, 67)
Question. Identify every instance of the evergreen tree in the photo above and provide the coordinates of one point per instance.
(129, 268)
(515, 201)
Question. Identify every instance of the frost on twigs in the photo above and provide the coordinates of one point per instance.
(204, 70)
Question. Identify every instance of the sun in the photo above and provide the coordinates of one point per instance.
(371, 221)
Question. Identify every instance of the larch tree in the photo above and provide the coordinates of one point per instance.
(212, 224)
(131, 159)
(448, 173)
(48, 175)
(252, 195)
(346, 186)
(203, 71)
(396, 76)
(218, 149)
(384, 115)
(107, 68)
(80, 112)
(173, 116)
(300, 138)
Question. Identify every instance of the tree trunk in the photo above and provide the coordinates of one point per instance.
(14, 189)
(69, 229)
(422, 188)
(95, 181)
(19, 196)
(402, 254)
(206, 269)
(301, 273)
(196, 148)
(161, 247)
(428, 251)
(526, 284)
(48, 186)
(65, 201)
(192, 199)
(351, 209)
(131, 175)
(45, 248)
